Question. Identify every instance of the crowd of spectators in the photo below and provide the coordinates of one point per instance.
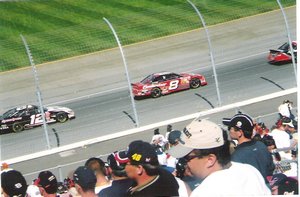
(246, 159)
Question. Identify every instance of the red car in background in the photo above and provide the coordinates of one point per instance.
(283, 54)
(158, 84)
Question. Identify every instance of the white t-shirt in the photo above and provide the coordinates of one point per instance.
(182, 191)
(284, 109)
(238, 180)
(282, 140)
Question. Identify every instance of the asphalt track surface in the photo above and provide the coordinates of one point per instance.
(95, 86)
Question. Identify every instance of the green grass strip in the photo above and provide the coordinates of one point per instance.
(58, 29)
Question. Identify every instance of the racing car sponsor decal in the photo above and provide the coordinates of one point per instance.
(155, 85)
(11, 120)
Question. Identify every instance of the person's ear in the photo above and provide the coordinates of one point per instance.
(139, 170)
(211, 160)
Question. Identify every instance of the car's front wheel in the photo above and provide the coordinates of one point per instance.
(17, 127)
(195, 83)
(61, 117)
(155, 92)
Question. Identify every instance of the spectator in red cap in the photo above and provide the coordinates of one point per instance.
(205, 147)
(249, 151)
(144, 169)
(13, 183)
(120, 182)
(47, 184)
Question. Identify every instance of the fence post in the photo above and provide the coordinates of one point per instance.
(210, 52)
(289, 38)
(126, 71)
(38, 92)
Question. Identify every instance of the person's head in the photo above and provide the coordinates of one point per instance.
(282, 185)
(13, 183)
(117, 162)
(84, 179)
(143, 160)
(46, 182)
(169, 128)
(240, 126)
(156, 131)
(174, 137)
(97, 165)
(204, 146)
(288, 124)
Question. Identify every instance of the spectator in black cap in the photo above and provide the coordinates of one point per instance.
(249, 151)
(116, 168)
(85, 181)
(143, 168)
(47, 184)
(13, 183)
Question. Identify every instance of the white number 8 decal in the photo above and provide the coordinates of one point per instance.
(173, 84)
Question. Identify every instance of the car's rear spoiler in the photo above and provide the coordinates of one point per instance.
(275, 51)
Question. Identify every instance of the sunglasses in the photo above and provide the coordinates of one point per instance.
(188, 158)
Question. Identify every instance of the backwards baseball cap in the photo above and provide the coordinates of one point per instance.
(85, 177)
(117, 160)
(140, 152)
(47, 180)
(287, 121)
(241, 121)
(199, 134)
(13, 183)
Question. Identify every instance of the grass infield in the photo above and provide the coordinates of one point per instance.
(57, 29)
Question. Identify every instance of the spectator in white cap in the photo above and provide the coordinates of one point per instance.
(205, 147)
(249, 151)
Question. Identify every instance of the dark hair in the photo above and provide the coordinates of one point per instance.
(94, 160)
(180, 168)
(150, 169)
(257, 137)
(247, 134)
(290, 185)
(222, 152)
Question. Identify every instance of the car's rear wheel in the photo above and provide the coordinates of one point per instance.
(17, 127)
(155, 92)
(61, 117)
(195, 83)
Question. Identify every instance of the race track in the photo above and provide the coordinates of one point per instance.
(95, 86)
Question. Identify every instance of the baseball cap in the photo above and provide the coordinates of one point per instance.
(241, 121)
(199, 134)
(85, 177)
(140, 152)
(117, 160)
(13, 183)
(174, 137)
(47, 180)
(287, 121)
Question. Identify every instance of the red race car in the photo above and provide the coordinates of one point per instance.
(158, 84)
(283, 54)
